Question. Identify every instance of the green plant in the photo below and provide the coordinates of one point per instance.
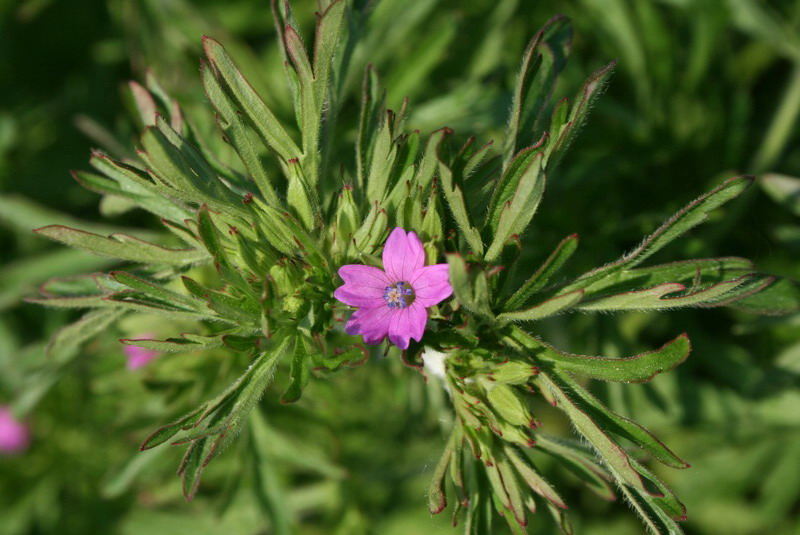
(255, 242)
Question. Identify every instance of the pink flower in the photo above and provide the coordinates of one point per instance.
(14, 435)
(393, 301)
(139, 356)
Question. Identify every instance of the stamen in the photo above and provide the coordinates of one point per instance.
(400, 295)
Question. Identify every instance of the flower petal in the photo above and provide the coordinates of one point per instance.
(361, 275)
(138, 356)
(372, 323)
(359, 296)
(14, 435)
(407, 323)
(431, 284)
(403, 254)
(364, 286)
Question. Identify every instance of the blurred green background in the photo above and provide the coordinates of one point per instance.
(704, 89)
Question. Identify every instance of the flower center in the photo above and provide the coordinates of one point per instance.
(400, 295)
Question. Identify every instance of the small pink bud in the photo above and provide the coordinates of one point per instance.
(14, 435)
(139, 356)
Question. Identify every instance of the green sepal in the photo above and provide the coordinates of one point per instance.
(299, 372)
(508, 405)
(469, 286)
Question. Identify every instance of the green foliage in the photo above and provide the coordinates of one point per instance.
(258, 214)
(277, 282)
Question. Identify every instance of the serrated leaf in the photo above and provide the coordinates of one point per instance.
(687, 272)
(146, 303)
(381, 161)
(136, 180)
(639, 368)
(583, 463)
(542, 276)
(177, 345)
(499, 494)
(67, 339)
(654, 518)
(660, 297)
(81, 301)
(437, 501)
(309, 112)
(143, 103)
(237, 133)
(326, 42)
(454, 196)
(684, 220)
(240, 91)
(371, 119)
(602, 418)
(668, 502)
(560, 140)
(515, 493)
(223, 417)
(512, 216)
(21, 277)
(614, 456)
(157, 291)
(122, 246)
(533, 479)
(169, 166)
(131, 192)
(773, 297)
(541, 64)
(546, 308)
(238, 310)
(165, 433)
